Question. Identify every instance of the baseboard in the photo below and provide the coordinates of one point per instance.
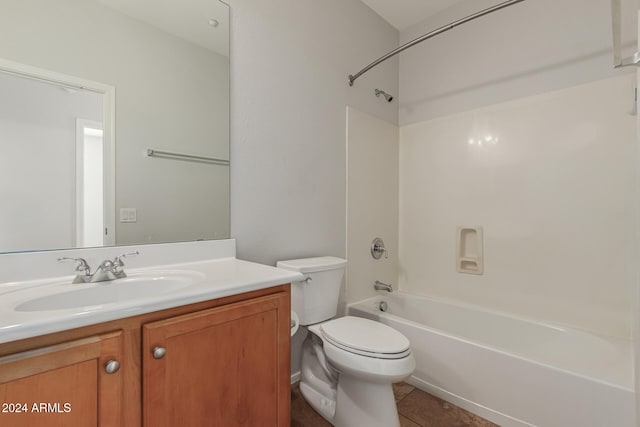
(295, 377)
(482, 411)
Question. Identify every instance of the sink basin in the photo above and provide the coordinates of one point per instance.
(126, 289)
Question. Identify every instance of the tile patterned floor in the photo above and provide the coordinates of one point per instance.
(416, 409)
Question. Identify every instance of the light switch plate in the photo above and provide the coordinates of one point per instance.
(128, 215)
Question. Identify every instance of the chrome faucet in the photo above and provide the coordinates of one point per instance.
(107, 270)
(379, 286)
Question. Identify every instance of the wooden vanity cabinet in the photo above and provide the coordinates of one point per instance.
(76, 383)
(223, 362)
(218, 367)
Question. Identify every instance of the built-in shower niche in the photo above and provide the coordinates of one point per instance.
(469, 250)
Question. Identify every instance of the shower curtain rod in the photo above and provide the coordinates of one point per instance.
(352, 78)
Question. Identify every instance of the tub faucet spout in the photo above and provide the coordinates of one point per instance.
(379, 286)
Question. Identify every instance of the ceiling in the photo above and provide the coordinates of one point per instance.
(189, 23)
(405, 13)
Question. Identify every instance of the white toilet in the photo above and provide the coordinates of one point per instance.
(349, 363)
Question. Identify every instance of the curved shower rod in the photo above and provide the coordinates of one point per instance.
(352, 78)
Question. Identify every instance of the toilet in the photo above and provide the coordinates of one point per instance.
(348, 363)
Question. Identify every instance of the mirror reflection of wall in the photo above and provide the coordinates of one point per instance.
(38, 162)
(170, 71)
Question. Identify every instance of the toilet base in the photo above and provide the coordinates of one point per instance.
(361, 403)
(320, 403)
(318, 382)
(356, 405)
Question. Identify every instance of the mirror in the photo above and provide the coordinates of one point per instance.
(90, 88)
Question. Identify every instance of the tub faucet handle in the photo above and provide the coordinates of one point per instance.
(377, 249)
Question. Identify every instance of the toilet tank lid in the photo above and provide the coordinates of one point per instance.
(312, 265)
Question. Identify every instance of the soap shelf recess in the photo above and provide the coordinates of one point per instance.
(469, 256)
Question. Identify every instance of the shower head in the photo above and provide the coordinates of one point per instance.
(388, 97)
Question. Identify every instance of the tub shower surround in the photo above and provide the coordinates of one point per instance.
(551, 179)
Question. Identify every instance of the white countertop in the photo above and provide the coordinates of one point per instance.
(208, 280)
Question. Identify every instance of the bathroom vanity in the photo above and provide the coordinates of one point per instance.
(214, 352)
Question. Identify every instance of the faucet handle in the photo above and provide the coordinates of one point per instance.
(82, 264)
(377, 249)
(117, 261)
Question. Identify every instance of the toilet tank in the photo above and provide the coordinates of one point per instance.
(316, 299)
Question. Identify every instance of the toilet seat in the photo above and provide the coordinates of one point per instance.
(365, 337)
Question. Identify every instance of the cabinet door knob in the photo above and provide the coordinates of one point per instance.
(112, 366)
(159, 352)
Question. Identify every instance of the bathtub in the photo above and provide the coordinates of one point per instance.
(510, 370)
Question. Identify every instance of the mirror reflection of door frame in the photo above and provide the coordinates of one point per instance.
(108, 126)
(100, 236)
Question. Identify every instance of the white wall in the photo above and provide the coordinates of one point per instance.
(170, 95)
(289, 65)
(38, 161)
(532, 47)
(372, 202)
(556, 197)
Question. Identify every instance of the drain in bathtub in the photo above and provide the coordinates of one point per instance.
(382, 306)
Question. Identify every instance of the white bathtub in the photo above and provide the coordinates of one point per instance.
(512, 371)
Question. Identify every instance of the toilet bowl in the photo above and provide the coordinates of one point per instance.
(359, 360)
(349, 363)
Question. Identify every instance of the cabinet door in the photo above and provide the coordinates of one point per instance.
(227, 366)
(63, 385)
